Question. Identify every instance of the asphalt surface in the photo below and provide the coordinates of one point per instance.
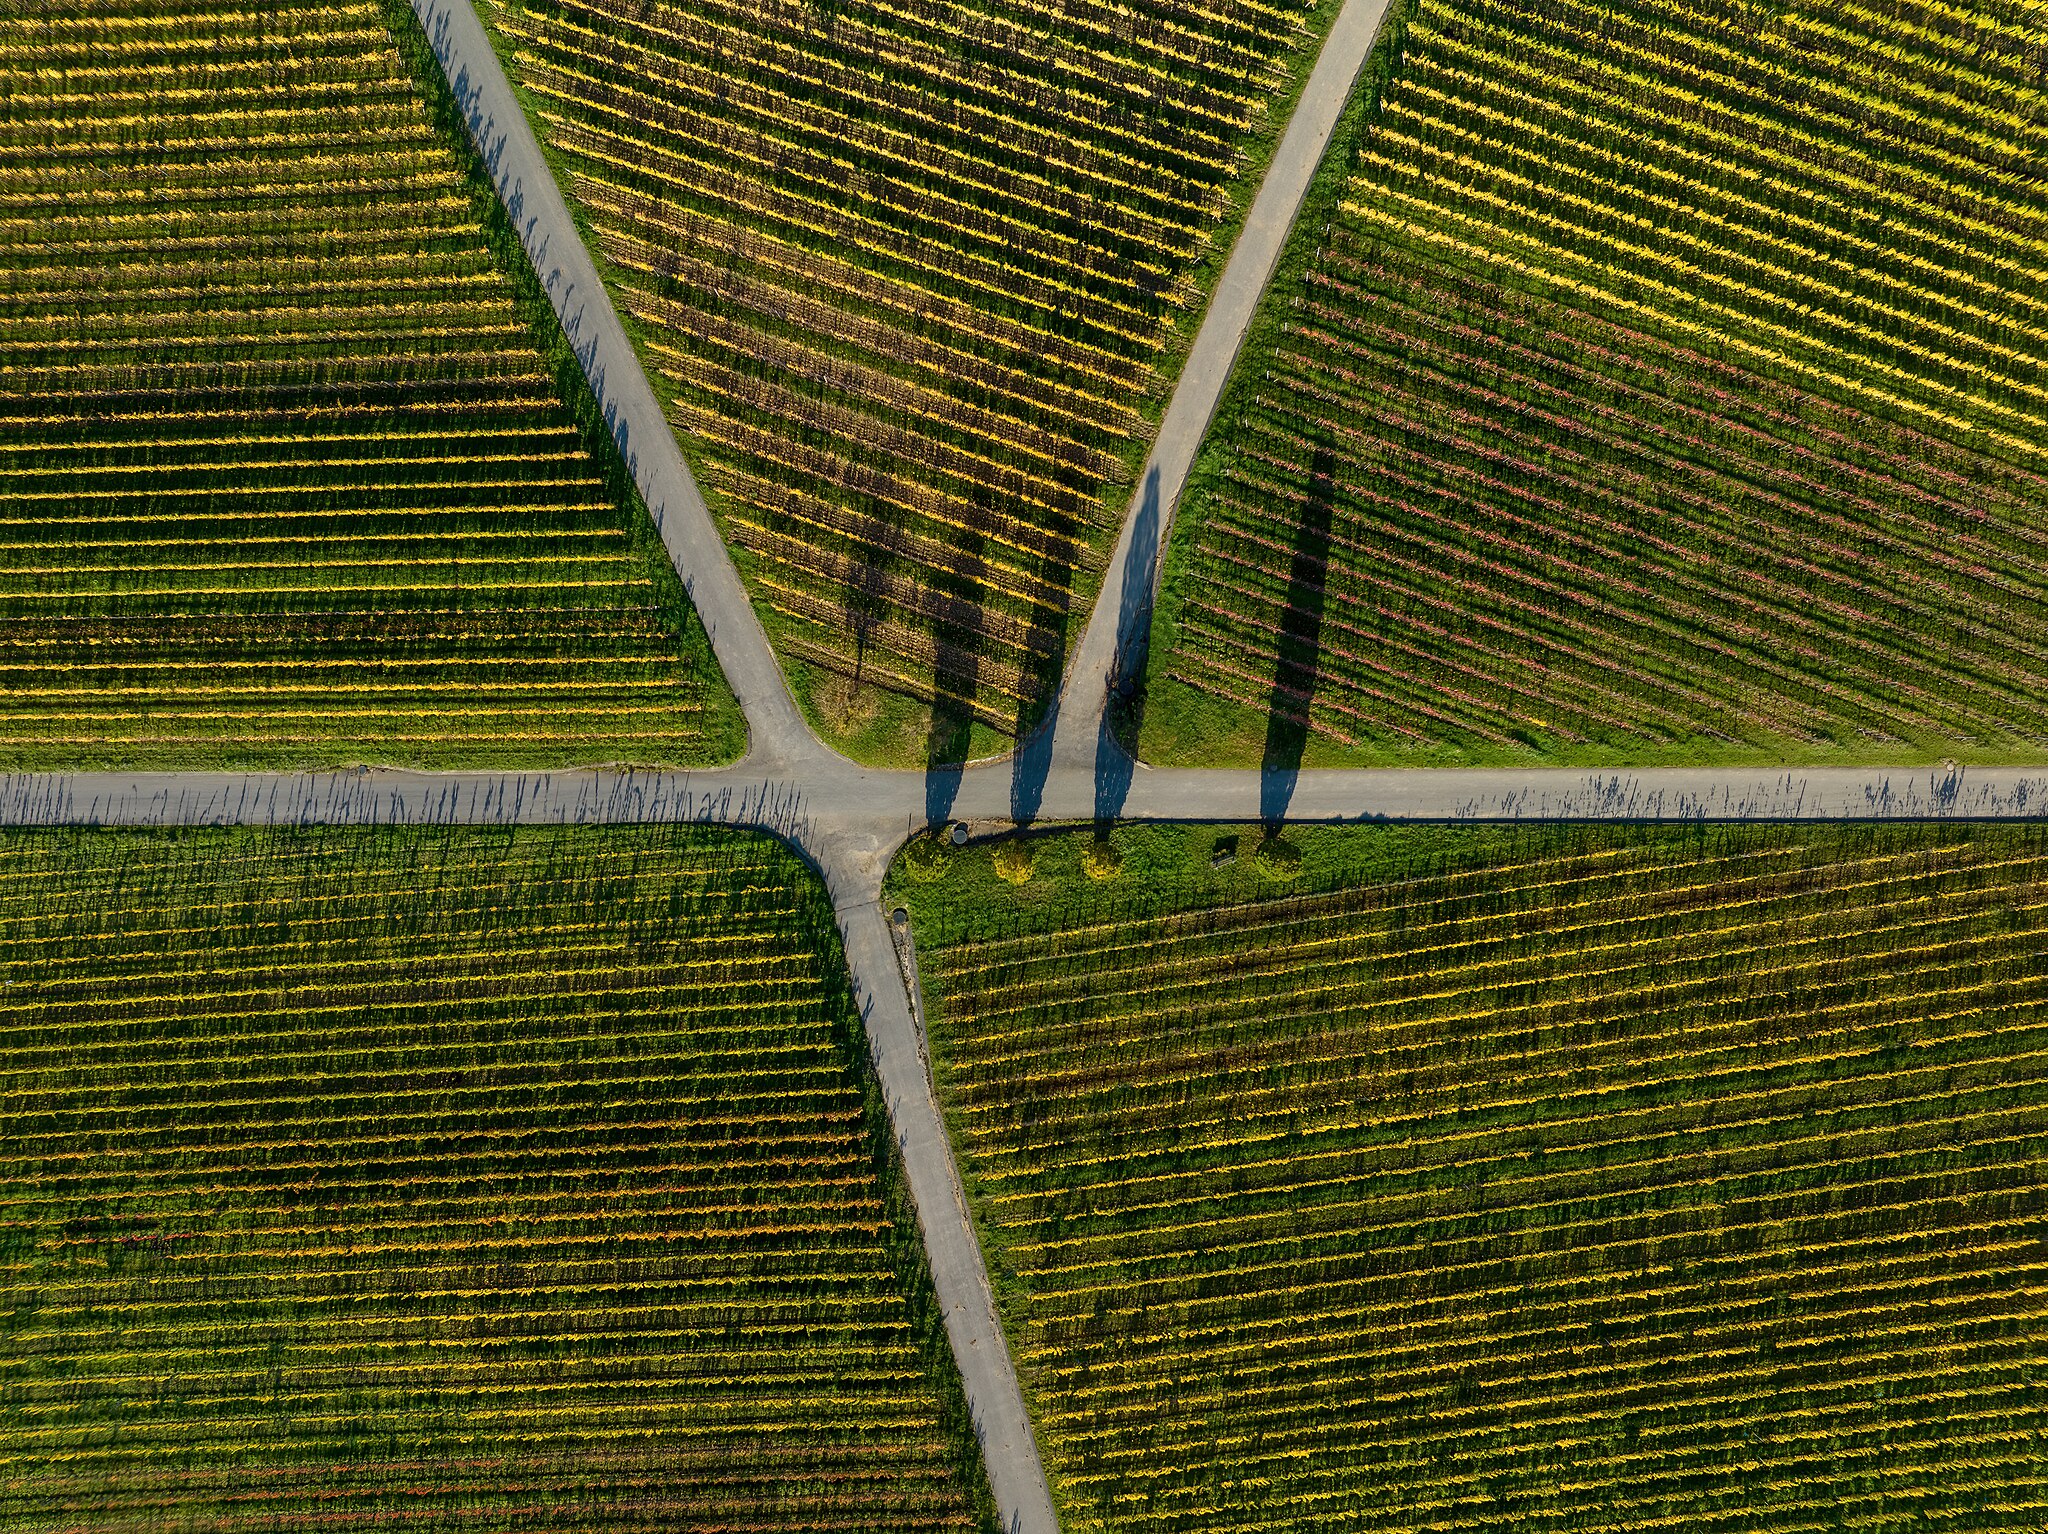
(849, 821)
(850, 824)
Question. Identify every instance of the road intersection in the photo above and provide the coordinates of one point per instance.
(849, 821)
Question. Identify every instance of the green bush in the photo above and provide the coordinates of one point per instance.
(1015, 860)
(1277, 859)
(1101, 860)
(926, 859)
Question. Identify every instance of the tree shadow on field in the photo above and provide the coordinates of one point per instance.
(1296, 668)
(956, 672)
(960, 638)
(865, 600)
(1123, 710)
(1046, 641)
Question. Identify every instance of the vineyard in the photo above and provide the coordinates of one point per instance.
(911, 279)
(1661, 383)
(452, 1179)
(1551, 1178)
(286, 472)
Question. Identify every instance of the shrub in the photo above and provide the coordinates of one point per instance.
(1101, 860)
(1278, 859)
(926, 858)
(1015, 861)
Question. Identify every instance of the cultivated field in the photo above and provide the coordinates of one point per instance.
(911, 278)
(1663, 383)
(1554, 1179)
(286, 475)
(450, 1179)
